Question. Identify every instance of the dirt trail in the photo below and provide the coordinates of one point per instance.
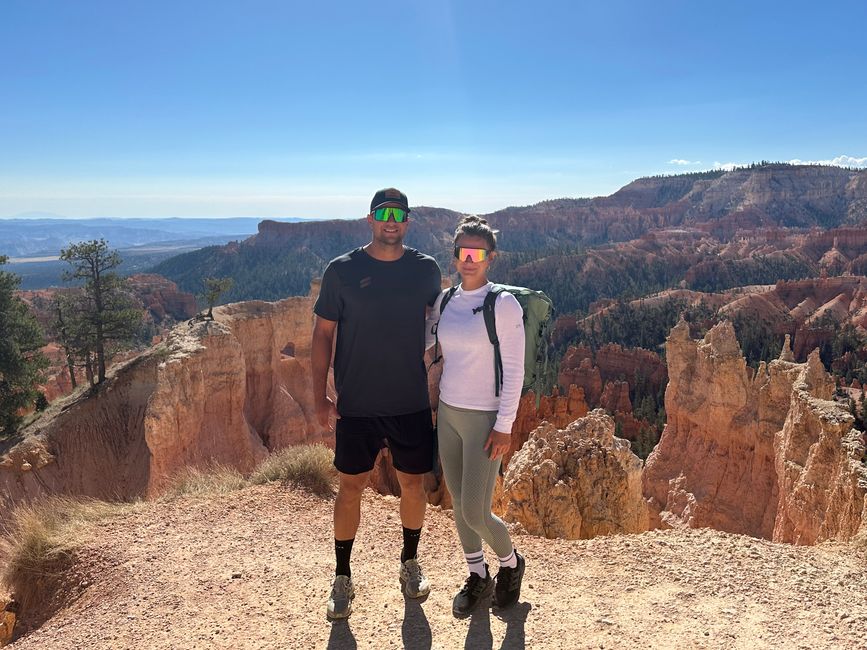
(252, 569)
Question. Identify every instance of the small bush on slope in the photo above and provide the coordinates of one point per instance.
(307, 466)
(40, 542)
(215, 479)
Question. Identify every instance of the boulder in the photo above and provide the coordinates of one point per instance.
(577, 482)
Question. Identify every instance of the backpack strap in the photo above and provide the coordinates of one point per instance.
(443, 302)
(491, 326)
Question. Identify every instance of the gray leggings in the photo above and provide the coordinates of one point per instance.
(471, 476)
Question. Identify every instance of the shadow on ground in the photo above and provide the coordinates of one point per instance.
(341, 637)
(479, 635)
(415, 631)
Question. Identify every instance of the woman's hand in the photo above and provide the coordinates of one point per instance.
(499, 444)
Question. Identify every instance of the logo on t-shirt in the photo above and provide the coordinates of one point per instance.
(365, 282)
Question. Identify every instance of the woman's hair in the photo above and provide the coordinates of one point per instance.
(477, 227)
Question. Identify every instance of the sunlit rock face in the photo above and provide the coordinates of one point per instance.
(742, 451)
(216, 392)
(577, 482)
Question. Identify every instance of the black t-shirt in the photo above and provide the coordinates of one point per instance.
(380, 312)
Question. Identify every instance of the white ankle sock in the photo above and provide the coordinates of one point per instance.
(510, 561)
(476, 563)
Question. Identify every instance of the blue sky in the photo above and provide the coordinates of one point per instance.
(279, 108)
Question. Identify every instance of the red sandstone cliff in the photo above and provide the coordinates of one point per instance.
(161, 297)
(610, 363)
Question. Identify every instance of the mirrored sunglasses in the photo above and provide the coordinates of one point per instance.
(471, 254)
(399, 215)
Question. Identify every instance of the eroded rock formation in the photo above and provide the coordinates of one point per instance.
(615, 397)
(577, 482)
(161, 297)
(765, 453)
(224, 391)
(8, 609)
(611, 363)
(557, 409)
(820, 464)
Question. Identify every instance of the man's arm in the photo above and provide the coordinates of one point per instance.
(320, 360)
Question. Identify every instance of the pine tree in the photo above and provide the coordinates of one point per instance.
(107, 312)
(214, 288)
(21, 362)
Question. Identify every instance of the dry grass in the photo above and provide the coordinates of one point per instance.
(307, 466)
(40, 542)
(47, 530)
(214, 479)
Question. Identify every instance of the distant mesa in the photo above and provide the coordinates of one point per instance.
(706, 226)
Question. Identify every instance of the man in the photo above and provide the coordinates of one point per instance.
(375, 298)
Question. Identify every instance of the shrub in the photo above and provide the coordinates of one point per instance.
(41, 401)
(40, 542)
(213, 479)
(307, 466)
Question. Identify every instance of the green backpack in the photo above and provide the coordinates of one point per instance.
(538, 317)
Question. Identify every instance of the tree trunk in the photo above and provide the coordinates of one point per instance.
(70, 365)
(88, 369)
(100, 357)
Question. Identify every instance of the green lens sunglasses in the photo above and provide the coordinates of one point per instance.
(384, 214)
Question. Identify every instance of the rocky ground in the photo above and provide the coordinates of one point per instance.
(252, 569)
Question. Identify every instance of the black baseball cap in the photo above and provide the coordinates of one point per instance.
(389, 196)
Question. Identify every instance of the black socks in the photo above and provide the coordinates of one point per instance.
(410, 543)
(343, 549)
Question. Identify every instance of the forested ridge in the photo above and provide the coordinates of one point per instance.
(562, 245)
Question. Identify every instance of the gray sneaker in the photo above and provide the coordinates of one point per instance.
(414, 584)
(340, 601)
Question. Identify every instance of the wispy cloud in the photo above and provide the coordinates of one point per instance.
(839, 161)
(681, 161)
(728, 166)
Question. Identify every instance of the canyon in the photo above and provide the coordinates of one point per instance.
(765, 453)
(160, 300)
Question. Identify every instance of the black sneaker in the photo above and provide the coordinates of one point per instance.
(475, 588)
(508, 588)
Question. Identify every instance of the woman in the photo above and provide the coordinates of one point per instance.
(474, 424)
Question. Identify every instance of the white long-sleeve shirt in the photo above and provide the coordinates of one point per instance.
(468, 356)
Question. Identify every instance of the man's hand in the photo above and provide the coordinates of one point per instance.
(499, 443)
(324, 410)
(320, 360)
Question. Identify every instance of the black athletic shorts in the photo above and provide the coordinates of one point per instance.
(410, 438)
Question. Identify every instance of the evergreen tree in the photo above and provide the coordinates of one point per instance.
(74, 331)
(21, 362)
(107, 313)
(214, 288)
